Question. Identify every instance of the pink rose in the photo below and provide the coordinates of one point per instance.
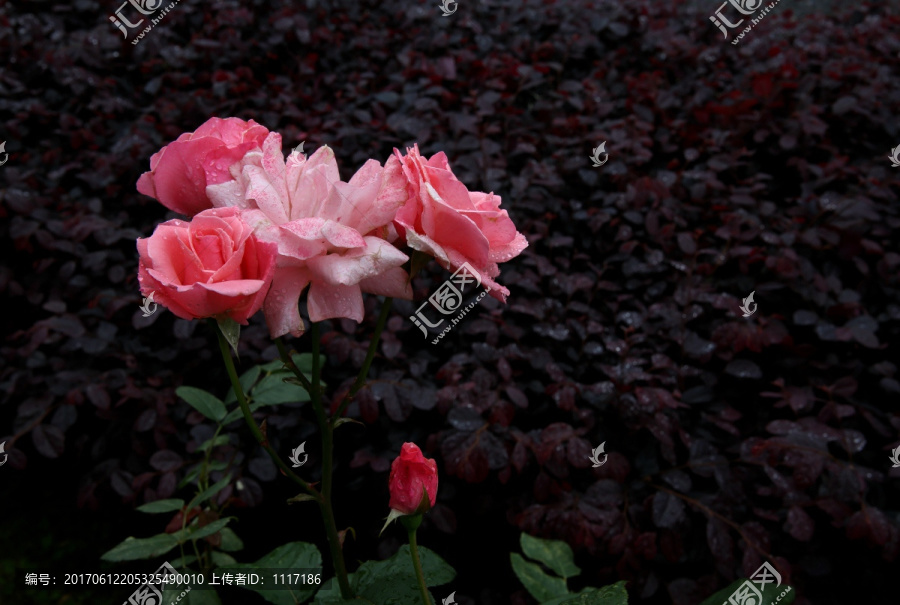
(208, 267)
(444, 219)
(411, 474)
(181, 171)
(331, 236)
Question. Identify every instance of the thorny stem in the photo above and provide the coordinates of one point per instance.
(370, 355)
(248, 416)
(325, 427)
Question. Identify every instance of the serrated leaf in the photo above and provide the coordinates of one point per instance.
(231, 330)
(393, 581)
(230, 540)
(555, 554)
(614, 594)
(273, 390)
(194, 594)
(162, 506)
(222, 559)
(769, 594)
(206, 403)
(141, 548)
(291, 556)
(195, 533)
(180, 563)
(539, 584)
(303, 361)
(209, 492)
(247, 380)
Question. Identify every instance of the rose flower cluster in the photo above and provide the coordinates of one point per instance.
(263, 228)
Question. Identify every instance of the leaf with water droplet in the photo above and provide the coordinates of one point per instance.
(231, 330)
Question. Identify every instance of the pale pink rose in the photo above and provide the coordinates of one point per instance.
(331, 236)
(212, 266)
(444, 219)
(180, 171)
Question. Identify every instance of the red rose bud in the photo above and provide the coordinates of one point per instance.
(412, 477)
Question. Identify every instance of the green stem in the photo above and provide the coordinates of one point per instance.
(414, 553)
(315, 393)
(289, 362)
(364, 371)
(248, 416)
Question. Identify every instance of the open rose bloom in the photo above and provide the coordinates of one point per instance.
(338, 239)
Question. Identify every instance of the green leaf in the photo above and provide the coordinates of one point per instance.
(247, 380)
(206, 403)
(272, 390)
(555, 554)
(393, 581)
(231, 330)
(292, 557)
(162, 506)
(211, 443)
(209, 492)
(197, 595)
(330, 594)
(539, 584)
(194, 532)
(341, 421)
(303, 361)
(141, 548)
(614, 594)
(769, 594)
(180, 563)
(230, 540)
(301, 498)
(222, 559)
